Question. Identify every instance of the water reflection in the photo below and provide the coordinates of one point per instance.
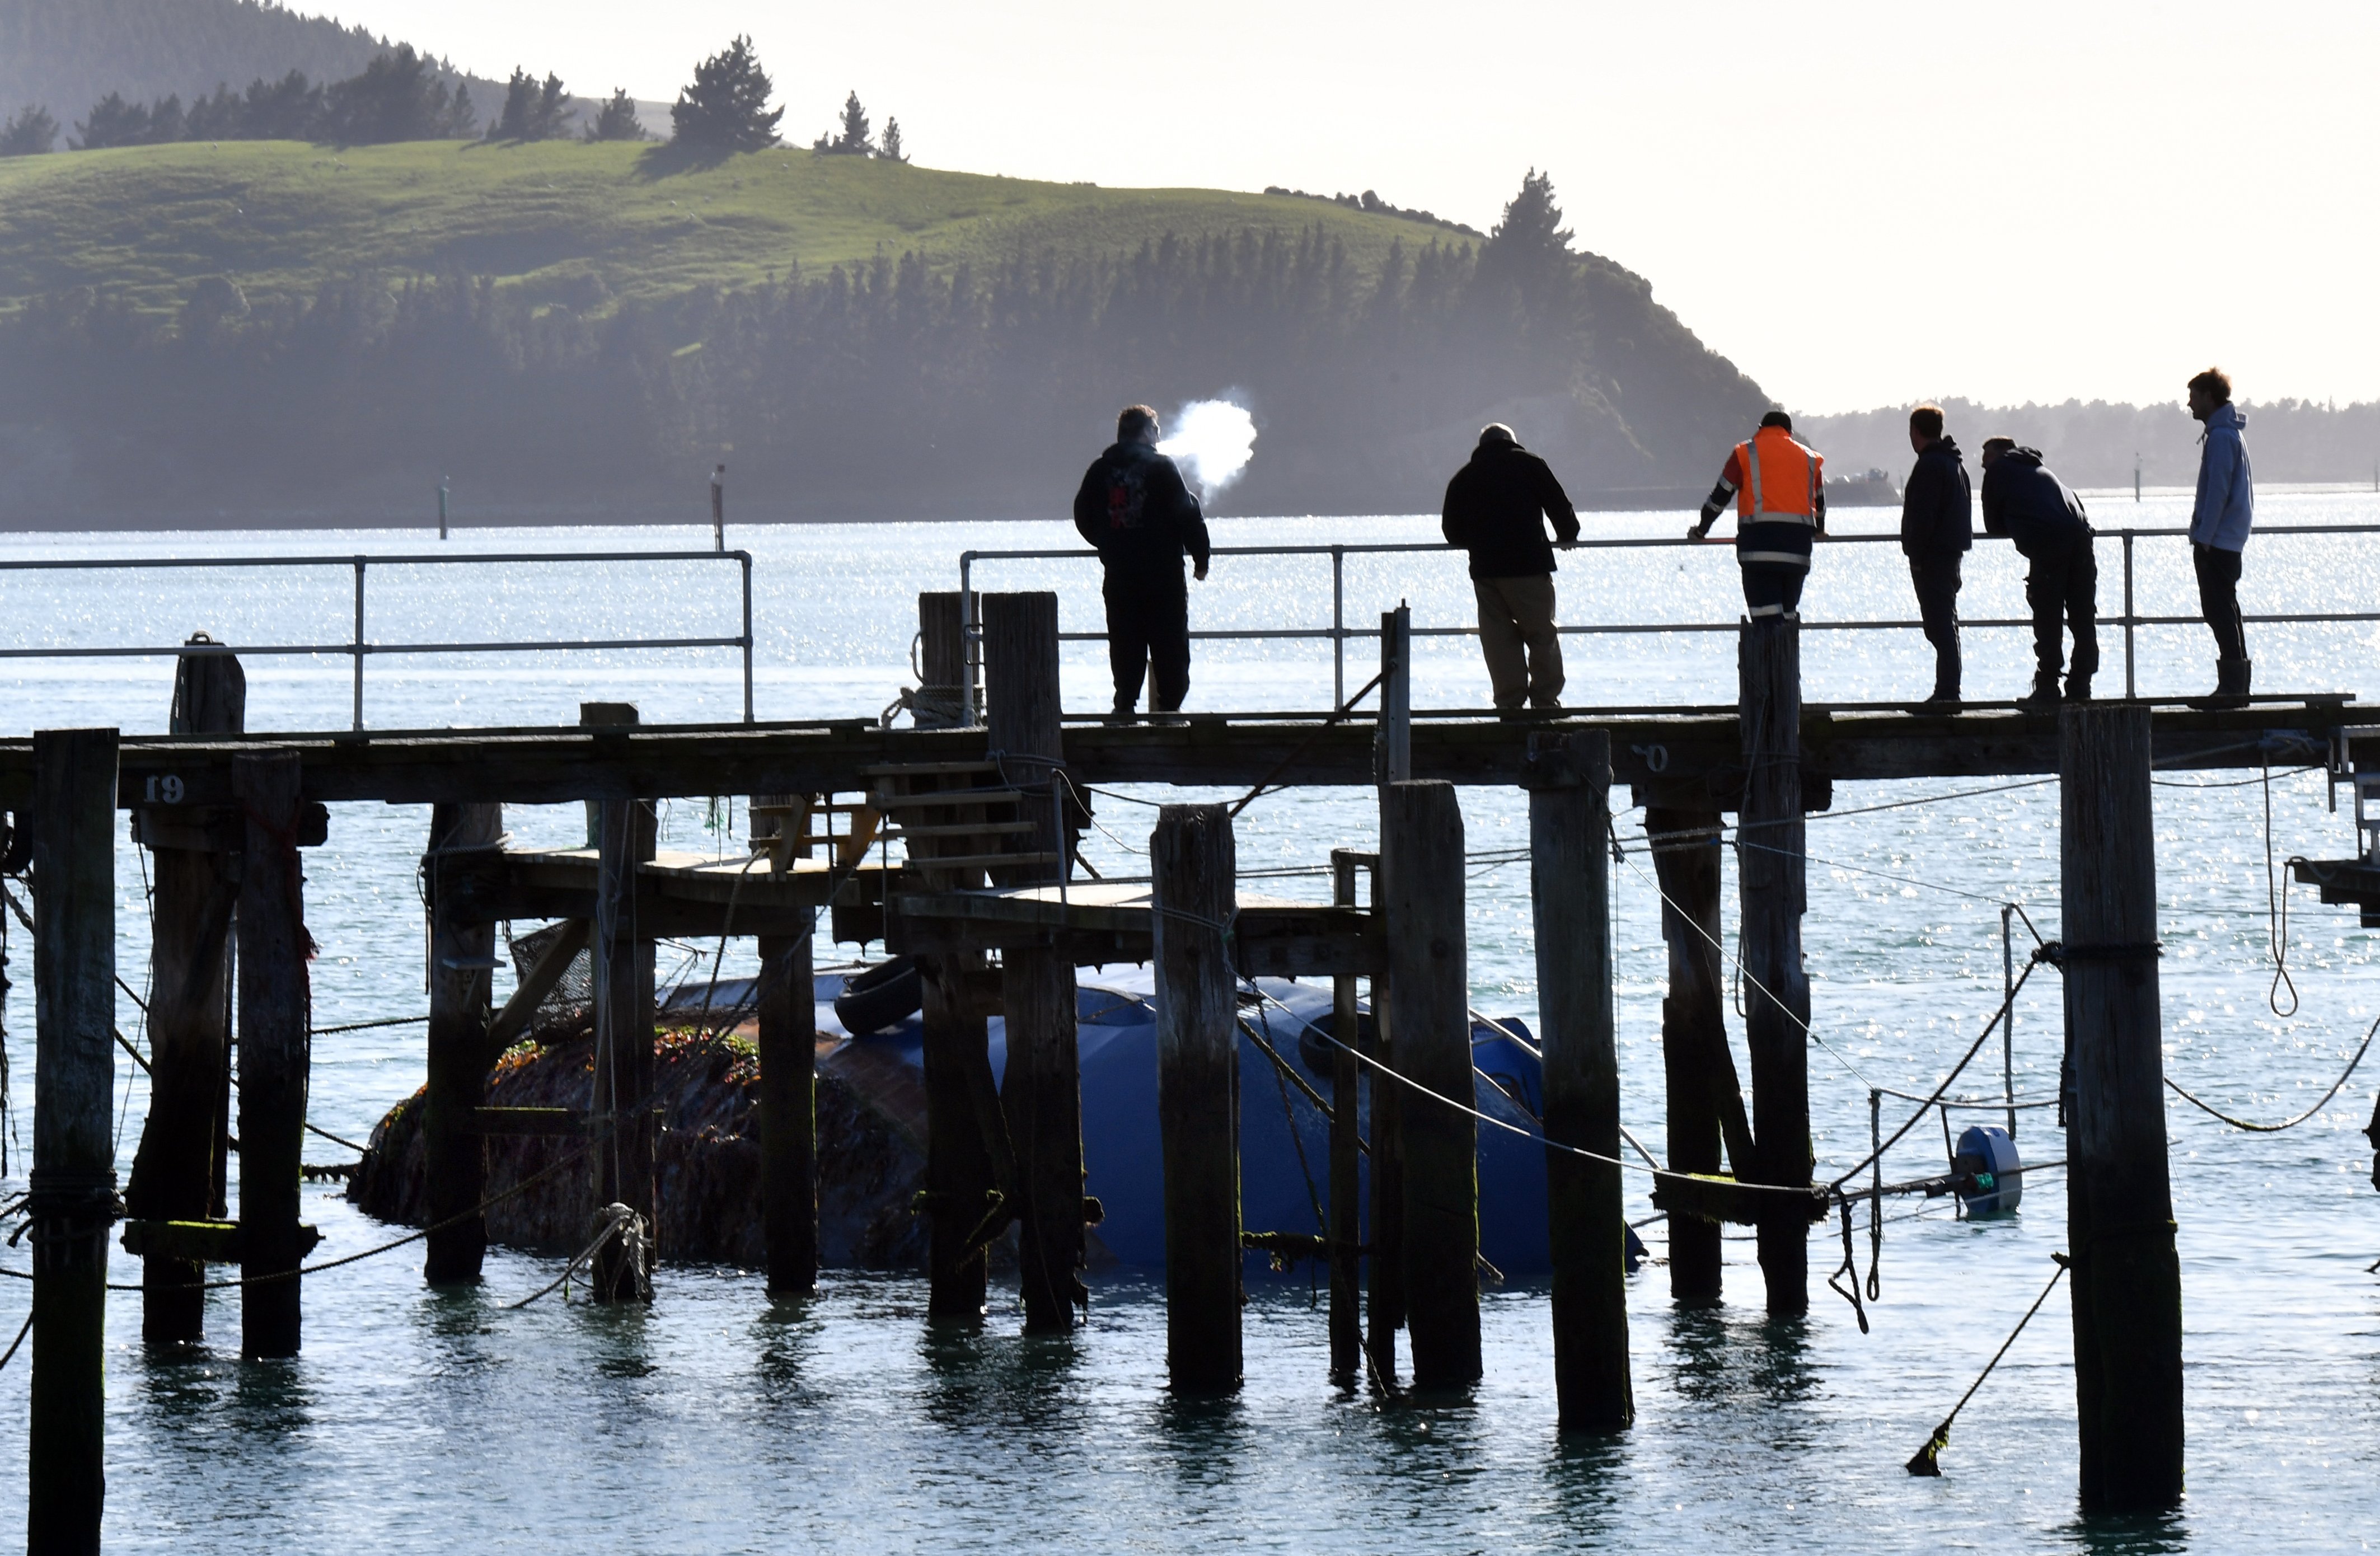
(2137, 1534)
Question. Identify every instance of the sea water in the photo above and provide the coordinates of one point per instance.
(720, 1420)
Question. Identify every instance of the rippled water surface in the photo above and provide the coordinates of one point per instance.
(722, 1421)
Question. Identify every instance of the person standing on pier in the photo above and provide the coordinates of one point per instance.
(2025, 501)
(1778, 485)
(1937, 526)
(2220, 518)
(1496, 508)
(1134, 509)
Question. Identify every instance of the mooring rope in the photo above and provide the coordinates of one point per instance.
(1928, 1460)
(2212, 1111)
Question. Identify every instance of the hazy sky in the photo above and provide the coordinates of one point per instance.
(1858, 203)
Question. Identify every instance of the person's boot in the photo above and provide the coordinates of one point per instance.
(2230, 685)
(2044, 695)
(1944, 696)
(2078, 687)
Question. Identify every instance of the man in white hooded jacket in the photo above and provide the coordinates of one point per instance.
(2219, 521)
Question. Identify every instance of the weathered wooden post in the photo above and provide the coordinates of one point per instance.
(1569, 780)
(1385, 1309)
(622, 976)
(71, 1200)
(1196, 892)
(1777, 990)
(942, 700)
(1346, 1146)
(462, 965)
(2119, 1201)
(788, 1053)
(275, 1004)
(1705, 1100)
(1421, 862)
(1041, 1090)
(189, 1009)
(963, 1174)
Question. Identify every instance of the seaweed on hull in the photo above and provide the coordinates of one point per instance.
(707, 1160)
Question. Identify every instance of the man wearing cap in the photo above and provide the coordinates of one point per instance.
(1779, 489)
(1497, 507)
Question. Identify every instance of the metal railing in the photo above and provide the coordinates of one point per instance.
(1339, 634)
(357, 648)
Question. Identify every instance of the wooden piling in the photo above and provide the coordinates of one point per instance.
(1346, 1145)
(1569, 780)
(174, 1172)
(462, 962)
(1421, 859)
(1706, 1097)
(71, 1200)
(788, 1053)
(274, 1007)
(2127, 1287)
(942, 700)
(623, 975)
(1192, 859)
(1041, 1090)
(964, 1198)
(1775, 989)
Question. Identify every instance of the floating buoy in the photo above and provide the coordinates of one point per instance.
(1986, 1152)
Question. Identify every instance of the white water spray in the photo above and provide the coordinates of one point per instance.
(1213, 440)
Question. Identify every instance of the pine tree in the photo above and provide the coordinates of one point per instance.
(462, 118)
(553, 111)
(288, 109)
(167, 122)
(890, 151)
(30, 134)
(725, 108)
(618, 120)
(395, 98)
(854, 141)
(113, 122)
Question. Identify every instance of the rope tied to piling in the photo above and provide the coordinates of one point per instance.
(614, 1221)
(1928, 1460)
(68, 1212)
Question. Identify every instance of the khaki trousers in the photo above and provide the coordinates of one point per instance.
(1516, 634)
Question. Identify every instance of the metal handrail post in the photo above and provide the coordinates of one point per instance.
(359, 645)
(1338, 626)
(2130, 691)
(745, 557)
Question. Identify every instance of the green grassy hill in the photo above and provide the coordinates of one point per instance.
(552, 220)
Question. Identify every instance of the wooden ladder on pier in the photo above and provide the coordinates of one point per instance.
(959, 821)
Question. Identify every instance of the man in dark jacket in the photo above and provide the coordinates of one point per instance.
(2024, 502)
(1134, 507)
(1496, 508)
(1936, 529)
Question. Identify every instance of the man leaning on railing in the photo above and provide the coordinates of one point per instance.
(1496, 508)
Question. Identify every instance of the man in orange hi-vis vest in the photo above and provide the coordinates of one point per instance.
(1780, 488)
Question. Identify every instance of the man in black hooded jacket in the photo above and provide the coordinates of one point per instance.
(2026, 502)
(1936, 530)
(1134, 509)
(1496, 508)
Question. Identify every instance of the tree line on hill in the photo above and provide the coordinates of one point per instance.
(403, 95)
(892, 388)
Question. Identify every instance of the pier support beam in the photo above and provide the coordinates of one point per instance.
(788, 1045)
(1698, 1068)
(71, 1202)
(1421, 858)
(965, 1139)
(1193, 864)
(273, 1048)
(1041, 1090)
(623, 975)
(174, 1172)
(462, 963)
(2127, 1287)
(1569, 780)
(1775, 989)
(1346, 1149)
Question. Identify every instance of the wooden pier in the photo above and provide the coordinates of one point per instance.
(987, 819)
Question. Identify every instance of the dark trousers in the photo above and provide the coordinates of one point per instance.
(1937, 582)
(2218, 596)
(1148, 632)
(1770, 590)
(2065, 583)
